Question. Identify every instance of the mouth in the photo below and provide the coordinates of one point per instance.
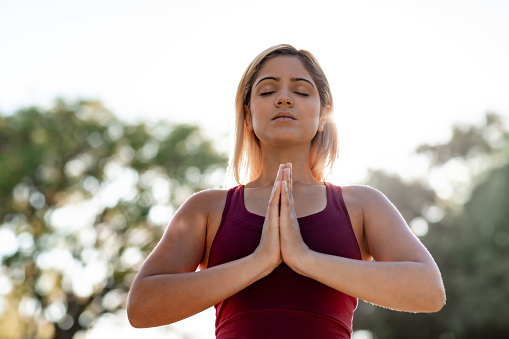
(284, 116)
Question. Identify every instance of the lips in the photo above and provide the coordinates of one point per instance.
(284, 116)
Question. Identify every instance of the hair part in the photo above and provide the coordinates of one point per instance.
(246, 160)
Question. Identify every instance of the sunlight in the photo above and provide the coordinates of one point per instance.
(362, 334)
(5, 284)
(73, 217)
(55, 312)
(419, 226)
(8, 242)
(401, 74)
(29, 307)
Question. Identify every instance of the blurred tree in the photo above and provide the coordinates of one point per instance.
(468, 236)
(83, 199)
(469, 141)
(419, 206)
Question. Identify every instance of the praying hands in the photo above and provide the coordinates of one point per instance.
(281, 240)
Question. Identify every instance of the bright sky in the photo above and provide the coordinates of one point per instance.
(401, 71)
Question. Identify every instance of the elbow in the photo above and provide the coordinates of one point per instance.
(134, 315)
(143, 314)
(439, 300)
(138, 313)
(134, 321)
(439, 296)
(435, 300)
(434, 306)
(428, 297)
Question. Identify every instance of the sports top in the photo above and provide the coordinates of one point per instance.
(285, 304)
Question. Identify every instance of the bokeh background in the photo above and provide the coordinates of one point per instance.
(113, 112)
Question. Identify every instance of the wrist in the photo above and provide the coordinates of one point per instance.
(262, 263)
(302, 262)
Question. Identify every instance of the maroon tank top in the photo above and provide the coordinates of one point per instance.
(285, 304)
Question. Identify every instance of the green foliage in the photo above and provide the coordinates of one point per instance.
(85, 197)
(470, 244)
(469, 141)
(413, 200)
(476, 261)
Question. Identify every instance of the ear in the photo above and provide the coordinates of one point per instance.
(324, 118)
(248, 119)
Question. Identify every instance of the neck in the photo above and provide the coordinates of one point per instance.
(273, 157)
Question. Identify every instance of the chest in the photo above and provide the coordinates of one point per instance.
(327, 231)
(307, 200)
(307, 203)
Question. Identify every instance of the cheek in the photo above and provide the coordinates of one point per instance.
(313, 110)
(257, 109)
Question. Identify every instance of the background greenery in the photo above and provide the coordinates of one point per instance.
(84, 197)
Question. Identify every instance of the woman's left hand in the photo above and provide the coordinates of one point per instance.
(293, 246)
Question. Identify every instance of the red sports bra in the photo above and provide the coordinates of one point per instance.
(285, 304)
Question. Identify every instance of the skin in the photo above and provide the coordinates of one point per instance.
(403, 276)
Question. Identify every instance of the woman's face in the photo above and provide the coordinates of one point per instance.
(284, 104)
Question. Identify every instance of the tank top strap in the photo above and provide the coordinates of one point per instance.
(335, 196)
(232, 199)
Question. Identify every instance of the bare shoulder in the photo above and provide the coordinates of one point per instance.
(373, 203)
(366, 198)
(204, 203)
(204, 210)
(388, 237)
(192, 219)
(359, 201)
(184, 242)
(359, 197)
(362, 193)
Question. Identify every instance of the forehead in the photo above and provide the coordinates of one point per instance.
(284, 67)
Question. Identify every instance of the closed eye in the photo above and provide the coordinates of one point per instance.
(266, 93)
(303, 94)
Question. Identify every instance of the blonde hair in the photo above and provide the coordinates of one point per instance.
(246, 159)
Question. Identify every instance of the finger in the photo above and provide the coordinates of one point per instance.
(280, 172)
(274, 202)
(287, 204)
(278, 175)
(289, 177)
(291, 180)
(276, 190)
(286, 176)
(285, 199)
(288, 180)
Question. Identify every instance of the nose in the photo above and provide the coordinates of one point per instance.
(284, 99)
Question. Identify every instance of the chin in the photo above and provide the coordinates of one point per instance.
(287, 141)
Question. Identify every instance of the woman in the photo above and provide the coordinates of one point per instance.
(287, 254)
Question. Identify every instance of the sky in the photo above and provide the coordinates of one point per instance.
(401, 72)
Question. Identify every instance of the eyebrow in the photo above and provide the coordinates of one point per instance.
(291, 80)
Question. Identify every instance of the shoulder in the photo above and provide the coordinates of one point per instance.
(387, 236)
(208, 197)
(363, 196)
(196, 213)
(183, 243)
(205, 202)
(369, 202)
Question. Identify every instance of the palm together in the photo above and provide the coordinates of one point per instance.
(281, 240)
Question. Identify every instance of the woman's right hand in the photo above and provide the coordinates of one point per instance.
(269, 249)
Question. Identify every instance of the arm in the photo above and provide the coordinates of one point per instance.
(168, 288)
(404, 276)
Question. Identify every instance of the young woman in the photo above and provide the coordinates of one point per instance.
(286, 255)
